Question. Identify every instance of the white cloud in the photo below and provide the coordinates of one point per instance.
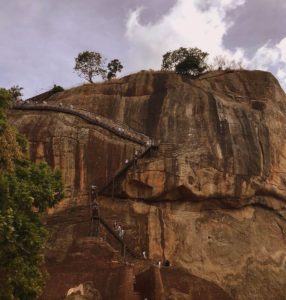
(187, 25)
(282, 47)
(271, 58)
(281, 74)
(265, 57)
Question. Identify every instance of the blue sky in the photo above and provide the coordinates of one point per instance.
(40, 39)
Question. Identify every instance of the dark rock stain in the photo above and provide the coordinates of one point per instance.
(155, 104)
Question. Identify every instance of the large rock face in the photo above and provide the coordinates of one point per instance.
(214, 200)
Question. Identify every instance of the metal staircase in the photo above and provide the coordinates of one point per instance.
(124, 247)
(126, 167)
(127, 134)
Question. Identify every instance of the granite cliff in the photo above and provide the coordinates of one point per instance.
(211, 199)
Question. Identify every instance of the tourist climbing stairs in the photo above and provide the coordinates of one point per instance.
(119, 130)
(124, 248)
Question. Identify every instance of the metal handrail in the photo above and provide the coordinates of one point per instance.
(83, 116)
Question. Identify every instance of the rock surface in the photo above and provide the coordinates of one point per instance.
(91, 269)
(213, 194)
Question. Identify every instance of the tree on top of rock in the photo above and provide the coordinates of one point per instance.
(221, 62)
(113, 67)
(15, 92)
(185, 61)
(89, 64)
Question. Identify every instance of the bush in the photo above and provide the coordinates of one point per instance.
(185, 61)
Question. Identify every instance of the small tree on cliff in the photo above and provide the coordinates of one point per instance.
(185, 61)
(89, 64)
(113, 67)
(16, 92)
(221, 62)
(24, 188)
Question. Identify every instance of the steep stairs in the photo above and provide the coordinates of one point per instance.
(126, 167)
(94, 250)
(125, 249)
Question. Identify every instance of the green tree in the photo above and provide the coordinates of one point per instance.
(26, 190)
(113, 67)
(185, 61)
(89, 64)
(15, 92)
(57, 89)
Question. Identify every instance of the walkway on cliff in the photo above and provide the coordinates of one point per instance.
(120, 130)
(124, 246)
(126, 167)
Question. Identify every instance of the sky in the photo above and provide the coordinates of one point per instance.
(40, 39)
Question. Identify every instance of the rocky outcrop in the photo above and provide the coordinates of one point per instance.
(242, 250)
(211, 198)
(221, 136)
(91, 269)
(84, 291)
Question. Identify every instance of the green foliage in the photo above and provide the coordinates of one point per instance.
(5, 100)
(12, 147)
(15, 92)
(89, 64)
(5, 103)
(26, 190)
(57, 89)
(113, 67)
(185, 61)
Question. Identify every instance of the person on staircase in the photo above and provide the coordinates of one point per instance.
(94, 207)
(121, 233)
(136, 158)
(118, 229)
(95, 217)
(115, 225)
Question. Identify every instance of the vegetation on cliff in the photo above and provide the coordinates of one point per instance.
(26, 190)
(89, 64)
(193, 61)
(185, 61)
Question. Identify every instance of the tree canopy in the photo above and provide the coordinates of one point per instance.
(26, 191)
(15, 92)
(113, 67)
(89, 64)
(185, 61)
